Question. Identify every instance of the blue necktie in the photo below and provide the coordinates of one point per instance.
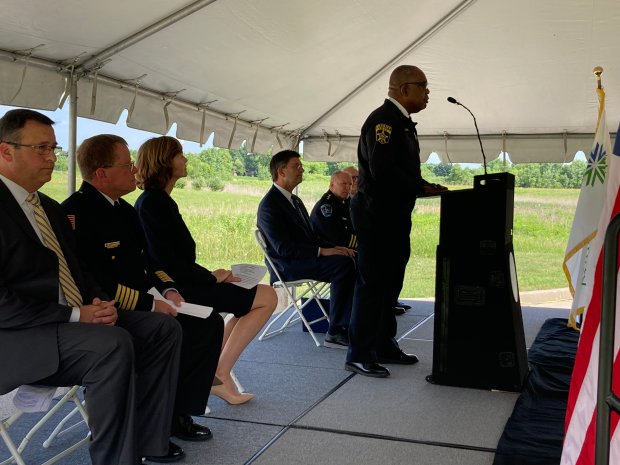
(299, 206)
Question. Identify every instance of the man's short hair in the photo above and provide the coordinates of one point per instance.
(97, 152)
(279, 160)
(14, 121)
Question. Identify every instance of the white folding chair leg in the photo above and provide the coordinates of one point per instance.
(15, 456)
(71, 395)
(240, 388)
(59, 431)
(314, 292)
(266, 334)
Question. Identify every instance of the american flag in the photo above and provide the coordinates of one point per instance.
(580, 423)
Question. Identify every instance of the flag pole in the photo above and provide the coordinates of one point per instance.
(576, 315)
(598, 70)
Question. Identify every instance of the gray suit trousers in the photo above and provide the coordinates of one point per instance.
(130, 375)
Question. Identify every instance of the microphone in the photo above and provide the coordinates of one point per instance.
(484, 158)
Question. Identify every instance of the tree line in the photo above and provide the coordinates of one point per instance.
(213, 167)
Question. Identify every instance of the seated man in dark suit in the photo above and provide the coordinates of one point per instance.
(296, 250)
(58, 328)
(111, 242)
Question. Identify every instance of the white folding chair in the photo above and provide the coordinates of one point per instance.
(16, 451)
(296, 291)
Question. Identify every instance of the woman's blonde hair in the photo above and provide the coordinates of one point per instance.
(154, 163)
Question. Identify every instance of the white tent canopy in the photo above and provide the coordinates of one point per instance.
(273, 73)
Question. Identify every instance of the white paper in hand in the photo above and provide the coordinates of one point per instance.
(200, 311)
(250, 275)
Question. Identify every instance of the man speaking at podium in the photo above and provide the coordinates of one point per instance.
(390, 179)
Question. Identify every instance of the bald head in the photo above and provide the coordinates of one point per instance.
(340, 184)
(354, 173)
(409, 87)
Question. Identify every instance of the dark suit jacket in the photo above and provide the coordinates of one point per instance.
(288, 238)
(111, 243)
(29, 308)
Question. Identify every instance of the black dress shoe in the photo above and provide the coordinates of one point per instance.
(403, 305)
(338, 341)
(175, 453)
(185, 428)
(367, 369)
(399, 358)
(398, 310)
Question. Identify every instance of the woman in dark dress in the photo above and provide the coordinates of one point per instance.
(160, 164)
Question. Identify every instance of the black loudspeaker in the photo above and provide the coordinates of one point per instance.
(478, 335)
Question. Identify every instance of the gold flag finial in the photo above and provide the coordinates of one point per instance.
(598, 70)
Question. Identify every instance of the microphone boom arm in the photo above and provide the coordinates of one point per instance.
(484, 158)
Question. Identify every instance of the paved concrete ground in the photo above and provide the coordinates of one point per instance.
(556, 298)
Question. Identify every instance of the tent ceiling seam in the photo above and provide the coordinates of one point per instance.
(415, 44)
(143, 34)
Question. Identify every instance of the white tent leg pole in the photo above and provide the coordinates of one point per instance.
(72, 137)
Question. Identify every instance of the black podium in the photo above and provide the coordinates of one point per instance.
(478, 335)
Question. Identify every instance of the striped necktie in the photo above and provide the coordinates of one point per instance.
(67, 283)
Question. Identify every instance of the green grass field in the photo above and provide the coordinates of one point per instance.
(223, 223)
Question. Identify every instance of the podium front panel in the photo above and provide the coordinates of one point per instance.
(478, 335)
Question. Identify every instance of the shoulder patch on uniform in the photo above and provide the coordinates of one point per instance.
(326, 209)
(383, 132)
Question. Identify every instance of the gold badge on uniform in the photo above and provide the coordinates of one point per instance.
(383, 132)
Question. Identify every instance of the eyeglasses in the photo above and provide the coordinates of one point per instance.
(130, 165)
(421, 84)
(297, 166)
(42, 149)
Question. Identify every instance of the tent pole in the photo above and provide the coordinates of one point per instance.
(72, 136)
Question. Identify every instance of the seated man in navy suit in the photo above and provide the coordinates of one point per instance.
(296, 250)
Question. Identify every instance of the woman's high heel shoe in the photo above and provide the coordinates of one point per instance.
(233, 399)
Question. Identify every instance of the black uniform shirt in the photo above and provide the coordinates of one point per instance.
(389, 161)
(111, 242)
(332, 221)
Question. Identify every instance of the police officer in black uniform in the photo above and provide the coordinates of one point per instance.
(330, 216)
(112, 244)
(390, 179)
